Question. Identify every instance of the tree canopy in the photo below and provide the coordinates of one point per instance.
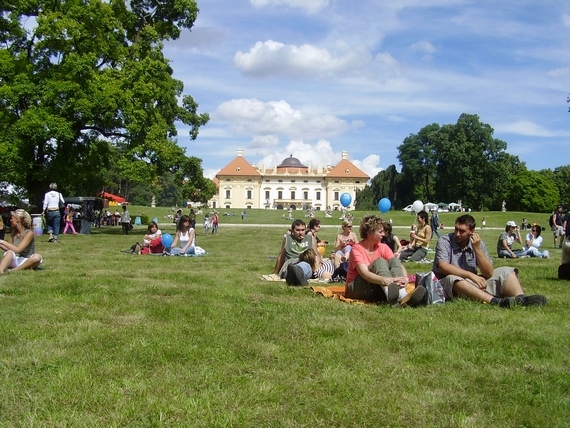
(463, 161)
(85, 81)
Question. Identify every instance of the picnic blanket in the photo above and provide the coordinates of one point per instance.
(335, 292)
(276, 278)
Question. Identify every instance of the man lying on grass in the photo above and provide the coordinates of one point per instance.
(458, 255)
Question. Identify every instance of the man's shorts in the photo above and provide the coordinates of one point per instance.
(495, 284)
(557, 230)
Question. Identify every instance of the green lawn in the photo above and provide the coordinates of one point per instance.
(101, 338)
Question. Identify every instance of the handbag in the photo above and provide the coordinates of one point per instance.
(61, 203)
(435, 294)
(130, 227)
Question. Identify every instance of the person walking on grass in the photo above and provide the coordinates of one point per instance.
(215, 223)
(125, 220)
(461, 254)
(20, 252)
(52, 201)
(68, 213)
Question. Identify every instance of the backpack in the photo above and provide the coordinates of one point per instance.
(435, 294)
(551, 221)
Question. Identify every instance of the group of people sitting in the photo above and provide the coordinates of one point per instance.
(375, 273)
(532, 242)
(183, 243)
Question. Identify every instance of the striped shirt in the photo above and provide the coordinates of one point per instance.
(447, 250)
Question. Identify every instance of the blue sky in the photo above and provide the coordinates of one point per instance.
(313, 78)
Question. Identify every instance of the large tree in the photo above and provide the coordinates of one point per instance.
(80, 76)
(418, 159)
(533, 191)
(383, 185)
(472, 165)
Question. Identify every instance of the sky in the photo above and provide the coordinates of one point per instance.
(314, 78)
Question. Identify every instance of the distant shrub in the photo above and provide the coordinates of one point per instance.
(145, 219)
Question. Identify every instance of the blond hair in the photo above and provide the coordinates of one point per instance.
(24, 218)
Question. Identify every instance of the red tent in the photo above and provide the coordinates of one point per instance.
(111, 197)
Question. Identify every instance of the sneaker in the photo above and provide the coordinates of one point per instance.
(50, 239)
(533, 300)
(545, 254)
(295, 275)
(393, 293)
(507, 302)
(415, 298)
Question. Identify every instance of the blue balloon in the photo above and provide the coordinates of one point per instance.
(345, 199)
(384, 205)
(167, 240)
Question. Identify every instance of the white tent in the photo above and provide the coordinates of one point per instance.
(431, 206)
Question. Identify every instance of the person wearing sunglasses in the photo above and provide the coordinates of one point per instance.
(533, 241)
(345, 240)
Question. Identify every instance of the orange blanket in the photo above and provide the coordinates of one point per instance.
(337, 293)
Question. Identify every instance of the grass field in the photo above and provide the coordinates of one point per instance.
(102, 338)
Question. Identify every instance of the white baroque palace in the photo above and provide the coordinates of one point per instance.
(288, 185)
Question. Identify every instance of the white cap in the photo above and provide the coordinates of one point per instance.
(511, 223)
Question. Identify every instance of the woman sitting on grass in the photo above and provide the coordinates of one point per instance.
(507, 239)
(533, 242)
(392, 240)
(152, 241)
(20, 251)
(184, 239)
(374, 274)
(313, 227)
(417, 249)
(345, 240)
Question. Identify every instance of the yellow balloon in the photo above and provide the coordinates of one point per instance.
(321, 250)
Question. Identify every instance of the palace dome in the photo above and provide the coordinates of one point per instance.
(291, 162)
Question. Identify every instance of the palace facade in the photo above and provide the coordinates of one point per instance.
(287, 185)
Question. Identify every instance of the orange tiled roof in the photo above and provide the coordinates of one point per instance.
(239, 167)
(347, 169)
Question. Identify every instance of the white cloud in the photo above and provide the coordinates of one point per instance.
(528, 128)
(255, 117)
(210, 173)
(310, 6)
(559, 72)
(319, 153)
(370, 165)
(424, 47)
(566, 19)
(276, 58)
